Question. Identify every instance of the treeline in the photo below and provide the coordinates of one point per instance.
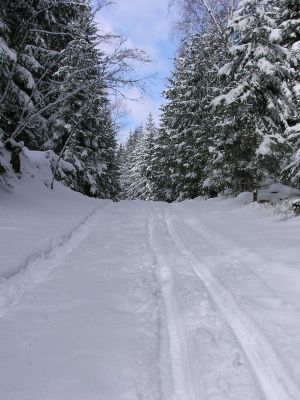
(55, 84)
(135, 160)
(232, 117)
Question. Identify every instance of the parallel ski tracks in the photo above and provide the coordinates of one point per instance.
(175, 369)
(271, 373)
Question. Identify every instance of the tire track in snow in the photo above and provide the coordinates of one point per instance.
(37, 269)
(175, 369)
(271, 373)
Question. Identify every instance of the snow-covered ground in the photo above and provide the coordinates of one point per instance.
(197, 300)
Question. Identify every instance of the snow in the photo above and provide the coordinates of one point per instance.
(276, 193)
(136, 300)
(34, 218)
(265, 66)
(25, 76)
(297, 89)
(265, 146)
(232, 96)
(275, 35)
(6, 51)
(226, 69)
(296, 48)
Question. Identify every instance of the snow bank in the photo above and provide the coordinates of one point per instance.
(33, 217)
(41, 164)
(38, 165)
(277, 193)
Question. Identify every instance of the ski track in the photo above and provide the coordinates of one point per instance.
(38, 268)
(177, 358)
(174, 354)
(271, 373)
(229, 249)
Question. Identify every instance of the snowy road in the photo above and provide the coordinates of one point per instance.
(150, 301)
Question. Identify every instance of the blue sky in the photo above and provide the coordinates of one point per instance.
(147, 24)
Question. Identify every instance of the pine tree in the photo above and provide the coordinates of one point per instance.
(163, 158)
(129, 178)
(290, 30)
(55, 81)
(255, 106)
(146, 163)
(20, 94)
(136, 179)
(142, 174)
(187, 120)
(185, 143)
(81, 127)
(174, 147)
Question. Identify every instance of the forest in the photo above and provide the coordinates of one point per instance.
(157, 257)
(230, 122)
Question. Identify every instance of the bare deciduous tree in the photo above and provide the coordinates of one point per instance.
(197, 15)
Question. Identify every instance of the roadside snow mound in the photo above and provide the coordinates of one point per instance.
(41, 164)
(281, 199)
(38, 165)
(277, 193)
(6, 172)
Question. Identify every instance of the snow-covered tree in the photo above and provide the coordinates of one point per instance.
(55, 82)
(255, 105)
(181, 122)
(187, 124)
(21, 70)
(290, 31)
(142, 183)
(136, 173)
(82, 124)
(129, 176)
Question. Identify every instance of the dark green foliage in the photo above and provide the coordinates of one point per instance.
(136, 163)
(290, 27)
(53, 88)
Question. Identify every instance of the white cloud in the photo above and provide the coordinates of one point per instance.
(140, 109)
(146, 25)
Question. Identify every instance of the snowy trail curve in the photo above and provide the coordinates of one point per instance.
(272, 374)
(37, 269)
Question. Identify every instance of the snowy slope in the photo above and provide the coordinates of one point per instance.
(34, 218)
(198, 300)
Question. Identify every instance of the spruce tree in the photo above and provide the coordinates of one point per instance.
(186, 139)
(254, 106)
(290, 31)
(141, 185)
(187, 119)
(55, 83)
(21, 96)
(129, 173)
(81, 127)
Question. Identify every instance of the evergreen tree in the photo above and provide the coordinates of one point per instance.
(20, 94)
(129, 175)
(187, 125)
(136, 175)
(84, 113)
(255, 106)
(54, 87)
(150, 134)
(186, 138)
(140, 186)
(290, 30)
(177, 121)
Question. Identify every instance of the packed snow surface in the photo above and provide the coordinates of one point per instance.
(135, 300)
